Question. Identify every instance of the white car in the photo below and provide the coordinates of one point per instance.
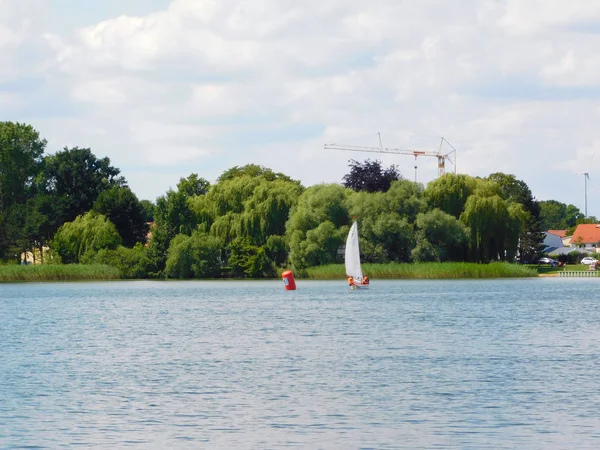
(588, 260)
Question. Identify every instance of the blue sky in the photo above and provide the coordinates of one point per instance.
(169, 88)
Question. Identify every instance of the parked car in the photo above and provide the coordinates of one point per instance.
(545, 260)
(588, 260)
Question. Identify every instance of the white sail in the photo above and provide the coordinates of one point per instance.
(353, 254)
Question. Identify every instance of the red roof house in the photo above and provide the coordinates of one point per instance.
(586, 235)
(561, 233)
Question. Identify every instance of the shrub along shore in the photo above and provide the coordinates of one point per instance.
(454, 270)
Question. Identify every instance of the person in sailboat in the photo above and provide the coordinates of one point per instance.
(366, 280)
(350, 281)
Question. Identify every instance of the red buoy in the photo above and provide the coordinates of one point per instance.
(288, 280)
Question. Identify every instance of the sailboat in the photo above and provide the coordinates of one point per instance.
(352, 260)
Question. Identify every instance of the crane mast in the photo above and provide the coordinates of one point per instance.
(441, 157)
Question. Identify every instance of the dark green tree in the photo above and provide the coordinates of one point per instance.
(21, 150)
(516, 191)
(193, 185)
(149, 208)
(74, 178)
(122, 207)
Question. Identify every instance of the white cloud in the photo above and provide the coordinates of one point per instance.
(203, 85)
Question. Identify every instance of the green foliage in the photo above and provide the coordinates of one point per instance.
(254, 171)
(450, 192)
(318, 246)
(86, 234)
(74, 178)
(517, 191)
(21, 150)
(442, 233)
(246, 206)
(249, 260)
(172, 217)
(123, 209)
(193, 185)
(487, 219)
(277, 249)
(195, 256)
(406, 199)
(318, 225)
(148, 207)
(392, 237)
(424, 252)
(131, 262)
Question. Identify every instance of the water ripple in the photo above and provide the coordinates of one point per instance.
(407, 364)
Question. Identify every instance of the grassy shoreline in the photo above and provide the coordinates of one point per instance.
(58, 272)
(416, 271)
(450, 270)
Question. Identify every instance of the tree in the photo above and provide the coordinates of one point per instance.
(121, 206)
(86, 235)
(558, 216)
(254, 170)
(21, 150)
(445, 236)
(370, 176)
(553, 214)
(450, 192)
(172, 216)
(249, 260)
(193, 185)
(75, 178)
(148, 208)
(246, 206)
(131, 262)
(514, 190)
(317, 205)
(195, 256)
(487, 218)
(517, 191)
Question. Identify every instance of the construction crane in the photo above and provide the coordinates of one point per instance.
(441, 157)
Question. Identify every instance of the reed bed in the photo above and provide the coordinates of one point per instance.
(449, 270)
(58, 272)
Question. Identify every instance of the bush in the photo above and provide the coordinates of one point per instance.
(131, 262)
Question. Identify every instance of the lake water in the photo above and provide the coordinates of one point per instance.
(215, 364)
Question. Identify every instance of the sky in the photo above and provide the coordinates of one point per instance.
(170, 88)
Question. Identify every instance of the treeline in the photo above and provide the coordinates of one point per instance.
(252, 221)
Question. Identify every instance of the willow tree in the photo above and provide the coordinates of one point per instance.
(487, 219)
(85, 235)
(441, 237)
(450, 192)
(386, 232)
(246, 206)
(195, 256)
(318, 225)
(494, 225)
